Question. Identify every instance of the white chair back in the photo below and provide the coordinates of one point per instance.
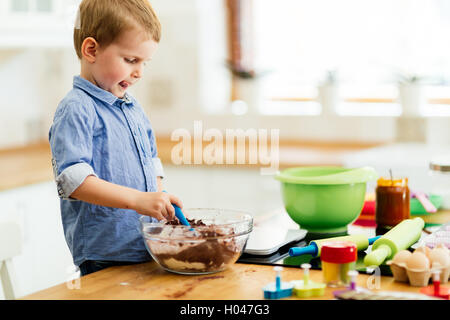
(10, 246)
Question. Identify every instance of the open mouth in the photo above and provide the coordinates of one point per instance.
(124, 84)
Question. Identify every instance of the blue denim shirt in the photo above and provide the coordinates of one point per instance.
(96, 133)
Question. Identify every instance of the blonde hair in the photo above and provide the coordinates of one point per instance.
(104, 20)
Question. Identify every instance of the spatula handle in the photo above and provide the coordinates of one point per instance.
(179, 214)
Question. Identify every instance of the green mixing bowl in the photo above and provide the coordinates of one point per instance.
(324, 199)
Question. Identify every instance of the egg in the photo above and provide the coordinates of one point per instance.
(425, 250)
(402, 256)
(418, 261)
(439, 255)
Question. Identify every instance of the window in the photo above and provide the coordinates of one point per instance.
(25, 23)
(369, 46)
(31, 5)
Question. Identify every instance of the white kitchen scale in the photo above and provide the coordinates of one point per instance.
(271, 234)
(269, 239)
(270, 246)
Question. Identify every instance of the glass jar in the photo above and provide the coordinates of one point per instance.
(392, 202)
(440, 180)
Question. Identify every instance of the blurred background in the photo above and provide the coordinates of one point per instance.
(348, 83)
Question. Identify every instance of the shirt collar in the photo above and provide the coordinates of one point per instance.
(98, 92)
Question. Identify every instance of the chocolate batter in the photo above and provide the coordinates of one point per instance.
(205, 253)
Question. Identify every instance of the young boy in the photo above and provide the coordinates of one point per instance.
(104, 153)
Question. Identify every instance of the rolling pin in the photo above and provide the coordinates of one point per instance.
(315, 246)
(400, 237)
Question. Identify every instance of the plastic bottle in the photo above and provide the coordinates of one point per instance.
(338, 258)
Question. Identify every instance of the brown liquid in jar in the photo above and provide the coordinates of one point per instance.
(392, 202)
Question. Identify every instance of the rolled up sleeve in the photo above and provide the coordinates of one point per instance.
(71, 143)
(71, 178)
(159, 171)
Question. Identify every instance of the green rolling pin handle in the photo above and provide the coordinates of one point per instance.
(400, 237)
(377, 256)
(313, 250)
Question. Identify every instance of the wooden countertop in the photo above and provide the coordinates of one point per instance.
(31, 164)
(241, 281)
(25, 165)
(148, 281)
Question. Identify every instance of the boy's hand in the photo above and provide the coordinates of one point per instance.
(157, 205)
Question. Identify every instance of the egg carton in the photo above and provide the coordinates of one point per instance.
(417, 267)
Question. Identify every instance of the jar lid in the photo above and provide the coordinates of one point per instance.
(387, 182)
(339, 252)
(440, 167)
(440, 163)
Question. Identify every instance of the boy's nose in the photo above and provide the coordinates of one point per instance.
(137, 73)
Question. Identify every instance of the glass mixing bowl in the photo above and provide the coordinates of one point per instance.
(202, 249)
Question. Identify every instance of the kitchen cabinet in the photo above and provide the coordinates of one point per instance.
(45, 259)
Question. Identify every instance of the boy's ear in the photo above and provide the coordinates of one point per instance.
(89, 49)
